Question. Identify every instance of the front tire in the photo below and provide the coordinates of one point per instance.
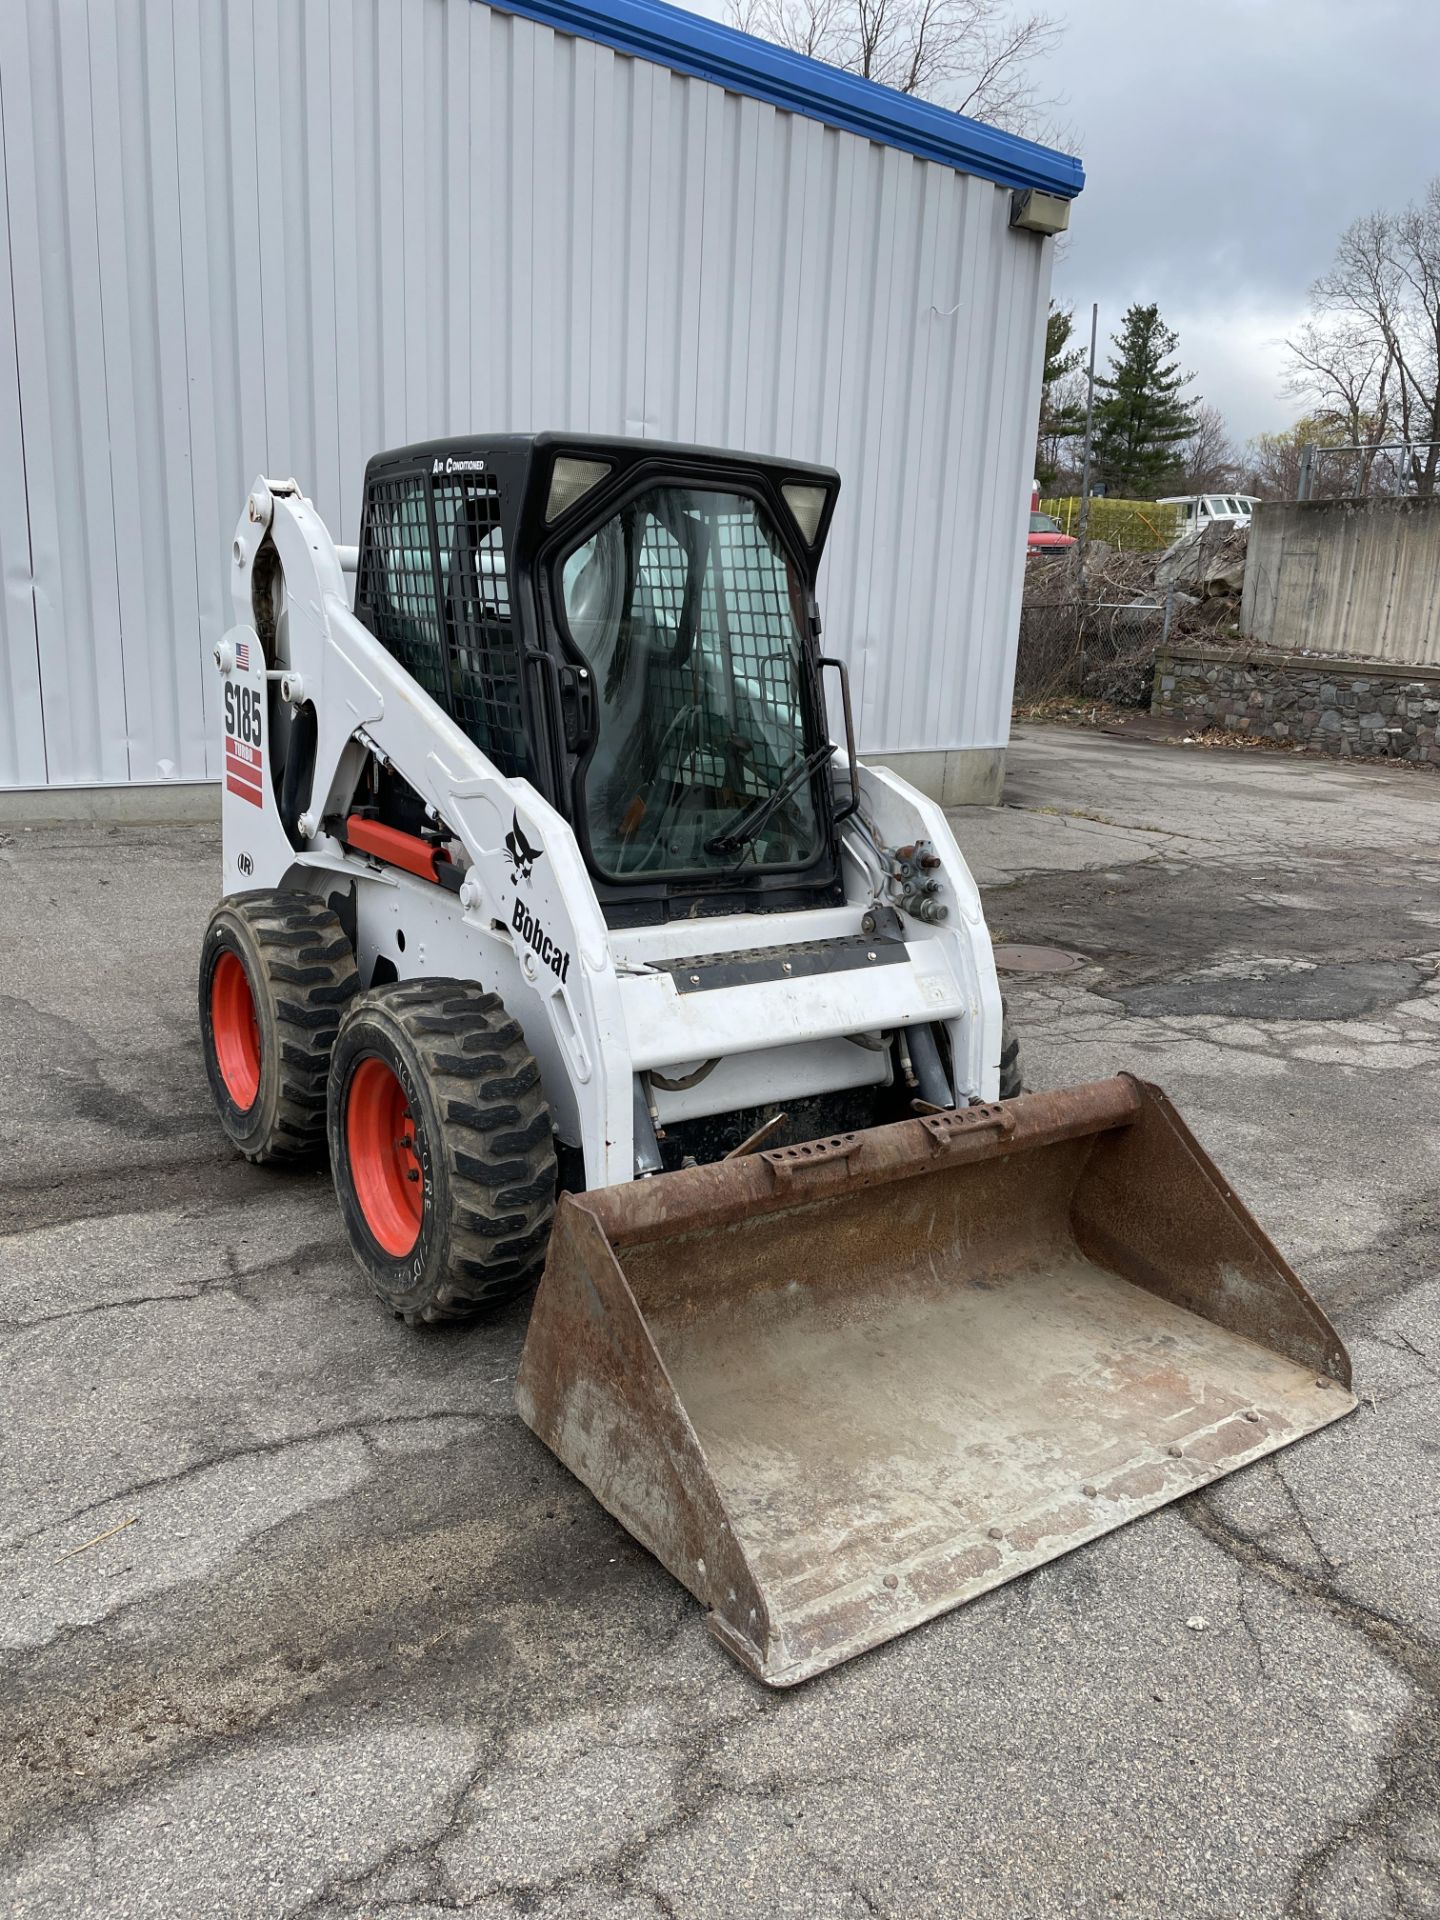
(276, 973)
(442, 1150)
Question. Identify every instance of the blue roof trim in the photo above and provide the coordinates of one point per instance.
(689, 43)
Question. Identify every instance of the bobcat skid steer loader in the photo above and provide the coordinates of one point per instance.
(552, 911)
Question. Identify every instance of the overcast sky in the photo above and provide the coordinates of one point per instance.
(1226, 144)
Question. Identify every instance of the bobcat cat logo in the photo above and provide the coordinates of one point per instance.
(522, 855)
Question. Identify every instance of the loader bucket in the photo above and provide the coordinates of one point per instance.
(839, 1388)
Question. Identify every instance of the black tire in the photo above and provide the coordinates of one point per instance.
(1012, 1080)
(289, 954)
(475, 1146)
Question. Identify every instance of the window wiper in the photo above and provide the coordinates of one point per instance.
(743, 826)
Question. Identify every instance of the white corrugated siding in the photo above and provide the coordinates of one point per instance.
(258, 236)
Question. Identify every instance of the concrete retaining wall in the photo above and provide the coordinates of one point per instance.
(1358, 577)
(1344, 707)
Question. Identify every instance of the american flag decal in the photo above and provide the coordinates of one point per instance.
(242, 655)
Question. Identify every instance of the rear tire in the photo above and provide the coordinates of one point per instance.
(1012, 1080)
(276, 973)
(442, 1149)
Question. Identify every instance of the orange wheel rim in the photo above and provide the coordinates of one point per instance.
(380, 1145)
(236, 1030)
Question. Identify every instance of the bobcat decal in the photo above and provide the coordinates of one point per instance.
(522, 855)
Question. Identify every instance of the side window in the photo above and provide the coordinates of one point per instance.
(395, 592)
(480, 636)
(448, 624)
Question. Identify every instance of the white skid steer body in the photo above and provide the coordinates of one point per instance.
(598, 1005)
(555, 1012)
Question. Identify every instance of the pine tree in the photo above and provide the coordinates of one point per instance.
(1062, 394)
(1140, 417)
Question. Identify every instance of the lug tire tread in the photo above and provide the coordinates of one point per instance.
(309, 977)
(497, 1143)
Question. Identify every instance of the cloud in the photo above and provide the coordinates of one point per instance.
(1242, 353)
(1225, 149)
(1226, 145)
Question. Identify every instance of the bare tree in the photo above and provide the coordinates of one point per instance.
(1415, 251)
(1346, 370)
(1378, 316)
(972, 55)
(1207, 458)
(1272, 463)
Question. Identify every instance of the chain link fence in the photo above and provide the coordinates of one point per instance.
(1389, 469)
(1093, 635)
(1129, 526)
(1101, 650)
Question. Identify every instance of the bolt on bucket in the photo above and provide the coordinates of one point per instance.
(839, 1388)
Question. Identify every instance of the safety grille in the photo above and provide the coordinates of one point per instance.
(760, 616)
(434, 590)
(395, 590)
(745, 636)
(484, 659)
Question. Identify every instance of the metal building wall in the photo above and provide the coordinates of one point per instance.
(258, 236)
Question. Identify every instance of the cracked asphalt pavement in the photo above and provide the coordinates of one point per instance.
(298, 1619)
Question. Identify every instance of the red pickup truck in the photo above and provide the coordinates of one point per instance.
(1045, 534)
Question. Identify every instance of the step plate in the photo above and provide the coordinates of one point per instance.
(754, 966)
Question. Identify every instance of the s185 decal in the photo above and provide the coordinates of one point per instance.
(244, 734)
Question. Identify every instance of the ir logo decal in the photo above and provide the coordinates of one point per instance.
(245, 864)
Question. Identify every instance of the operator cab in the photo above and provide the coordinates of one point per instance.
(633, 627)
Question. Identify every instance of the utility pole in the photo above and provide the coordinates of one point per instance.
(1307, 462)
(1089, 431)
